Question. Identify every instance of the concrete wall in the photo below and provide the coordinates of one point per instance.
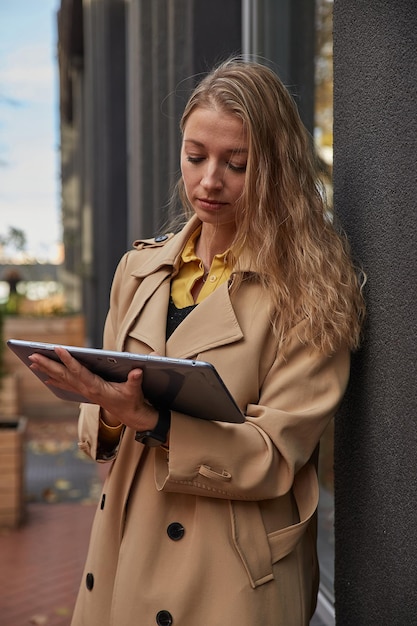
(375, 176)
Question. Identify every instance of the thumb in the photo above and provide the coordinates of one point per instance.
(135, 375)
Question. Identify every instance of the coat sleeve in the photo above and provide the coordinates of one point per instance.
(89, 419)
(258, 459)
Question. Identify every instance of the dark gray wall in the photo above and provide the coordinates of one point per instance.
(104, 172)
(375, 176)
(169, 44)
(282, 33)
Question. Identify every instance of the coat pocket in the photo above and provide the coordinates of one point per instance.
(306, 495)
(251, 541)
(259, 550)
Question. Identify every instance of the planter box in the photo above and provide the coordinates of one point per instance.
(12, 471)
(9, 395)
(35, 399)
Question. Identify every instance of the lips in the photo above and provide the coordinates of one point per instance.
(211, 205)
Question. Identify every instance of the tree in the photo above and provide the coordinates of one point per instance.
(12, 242)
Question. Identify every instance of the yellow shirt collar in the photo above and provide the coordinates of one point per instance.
(192, 269)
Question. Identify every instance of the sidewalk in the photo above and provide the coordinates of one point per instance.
(41, 564)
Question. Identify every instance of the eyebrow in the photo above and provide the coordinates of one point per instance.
(228, 150)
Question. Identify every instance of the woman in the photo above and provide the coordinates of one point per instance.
(216, 525)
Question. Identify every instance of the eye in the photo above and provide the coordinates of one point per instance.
(237, 168)
(194, 159)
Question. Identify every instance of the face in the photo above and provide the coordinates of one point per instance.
(213, 165)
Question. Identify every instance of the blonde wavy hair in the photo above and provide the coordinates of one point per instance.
(284, 223)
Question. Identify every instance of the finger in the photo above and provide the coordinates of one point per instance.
(41, 362)
(67, 373)
(64, 355)
(70, 362)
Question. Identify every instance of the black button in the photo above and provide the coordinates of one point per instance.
(161, 238)
(175, 531)
(164, 618)
(89, 581)
(103, 500)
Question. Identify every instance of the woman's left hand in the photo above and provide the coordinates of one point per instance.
(125, 401)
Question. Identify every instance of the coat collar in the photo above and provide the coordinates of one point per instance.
(167, 255)
(147, 324)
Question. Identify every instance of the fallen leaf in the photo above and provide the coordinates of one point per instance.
(63, 484)
(74, 494)
(38, 620)
(62, 610)
(49, 495)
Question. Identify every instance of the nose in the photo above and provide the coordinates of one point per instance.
(212, 177)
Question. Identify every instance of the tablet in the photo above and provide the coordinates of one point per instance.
(191, 387)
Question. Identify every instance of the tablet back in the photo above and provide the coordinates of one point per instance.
(191, 387)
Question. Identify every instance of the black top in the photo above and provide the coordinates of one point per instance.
(176, 316)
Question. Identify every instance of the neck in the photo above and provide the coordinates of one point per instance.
(213, 240)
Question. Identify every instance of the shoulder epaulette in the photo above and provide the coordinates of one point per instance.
(155, 242)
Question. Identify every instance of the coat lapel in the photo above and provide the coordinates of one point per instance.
(211, 324)
(147, 313)
(145, 322)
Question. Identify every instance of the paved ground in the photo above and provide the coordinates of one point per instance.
(41, 562)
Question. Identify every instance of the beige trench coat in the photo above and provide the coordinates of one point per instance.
(220, 530)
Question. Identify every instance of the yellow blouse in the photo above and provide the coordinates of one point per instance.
(192, 269)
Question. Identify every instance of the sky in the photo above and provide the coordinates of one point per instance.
(29, 125)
